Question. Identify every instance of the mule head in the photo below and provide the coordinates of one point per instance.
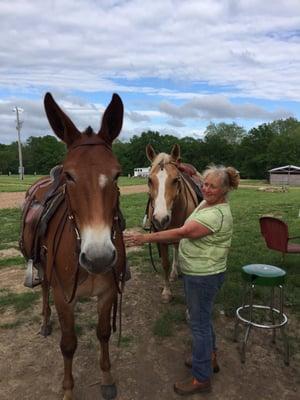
(90, 172)
(164, 185)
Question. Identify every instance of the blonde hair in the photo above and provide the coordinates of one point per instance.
(229, 175)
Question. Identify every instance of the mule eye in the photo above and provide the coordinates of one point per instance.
(69, 177)
(116, 177)
(175, 181)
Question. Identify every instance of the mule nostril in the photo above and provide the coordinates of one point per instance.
(83, 258)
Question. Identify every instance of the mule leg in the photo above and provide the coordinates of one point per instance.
(68, 342)
(104, 306)
(46, 327)
(166, 295)
(175, 265)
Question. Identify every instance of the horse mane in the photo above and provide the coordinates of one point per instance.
(161, 159)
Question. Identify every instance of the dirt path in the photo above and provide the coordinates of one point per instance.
(15, 199)
(145, 366)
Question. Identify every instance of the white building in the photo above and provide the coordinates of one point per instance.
(143, 172)
(286, 175)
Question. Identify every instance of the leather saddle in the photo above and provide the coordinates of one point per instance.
(41, 201)
(193, 177)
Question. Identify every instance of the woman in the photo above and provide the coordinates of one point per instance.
(205, 239)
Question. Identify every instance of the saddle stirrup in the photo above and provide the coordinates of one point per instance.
(33, 277)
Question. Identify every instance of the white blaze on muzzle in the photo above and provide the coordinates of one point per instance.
(97, 250)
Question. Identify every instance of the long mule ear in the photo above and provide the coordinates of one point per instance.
(61, 124)
(150, 153)
(175, 153)
(112, 120)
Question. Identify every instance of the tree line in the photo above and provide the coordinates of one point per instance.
(253, 153)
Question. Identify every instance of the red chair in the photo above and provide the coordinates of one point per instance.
(276, 235)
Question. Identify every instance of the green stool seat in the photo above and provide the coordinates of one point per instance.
(262, 275)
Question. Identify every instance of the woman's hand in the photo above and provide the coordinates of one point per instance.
(133, 239)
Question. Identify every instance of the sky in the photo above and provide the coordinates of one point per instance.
(177, 65)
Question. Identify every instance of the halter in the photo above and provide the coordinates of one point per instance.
(182, 181)
(68, 215)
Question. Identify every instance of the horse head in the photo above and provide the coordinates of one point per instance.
(164, 184)
(90, 173)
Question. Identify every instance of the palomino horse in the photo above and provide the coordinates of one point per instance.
(171, 200)
(81, 252)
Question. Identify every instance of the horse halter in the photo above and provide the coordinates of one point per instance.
(182, 187)
(162, 165)
(91, 141)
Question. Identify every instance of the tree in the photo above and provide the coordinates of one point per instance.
(43, 153)
(268, 146)
(230, 133)
(9, 161)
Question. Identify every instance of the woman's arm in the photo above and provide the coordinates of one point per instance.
(190, 230)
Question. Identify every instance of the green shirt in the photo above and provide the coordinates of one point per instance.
(207, 255)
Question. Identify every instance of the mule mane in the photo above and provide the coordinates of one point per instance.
(161, 159)
(89, 131)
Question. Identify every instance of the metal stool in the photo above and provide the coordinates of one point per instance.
(262, 275)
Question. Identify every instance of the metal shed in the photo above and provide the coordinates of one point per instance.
(286, 175)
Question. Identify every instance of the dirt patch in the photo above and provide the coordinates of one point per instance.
(12, 279)
(11, 252)
(147, 366)
(11, 200)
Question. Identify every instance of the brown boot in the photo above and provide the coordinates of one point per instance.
(214, 362)
(191, 386)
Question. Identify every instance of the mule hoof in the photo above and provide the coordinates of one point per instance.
(46, 330)
(68, 395)
(109, 392)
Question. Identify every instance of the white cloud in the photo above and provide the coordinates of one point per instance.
(219, 107)
(233, 52)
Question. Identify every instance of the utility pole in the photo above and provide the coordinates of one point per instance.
(18, 110)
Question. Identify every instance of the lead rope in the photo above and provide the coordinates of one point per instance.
(120, 287)
(151, 229)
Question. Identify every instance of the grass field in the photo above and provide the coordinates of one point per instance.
(13, 183)
(248, 247)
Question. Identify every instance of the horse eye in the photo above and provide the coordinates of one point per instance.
(69, 177)
(175, 181)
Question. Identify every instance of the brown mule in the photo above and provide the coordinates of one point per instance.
(81, 250)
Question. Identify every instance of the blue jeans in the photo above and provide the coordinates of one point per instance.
(200, 293)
